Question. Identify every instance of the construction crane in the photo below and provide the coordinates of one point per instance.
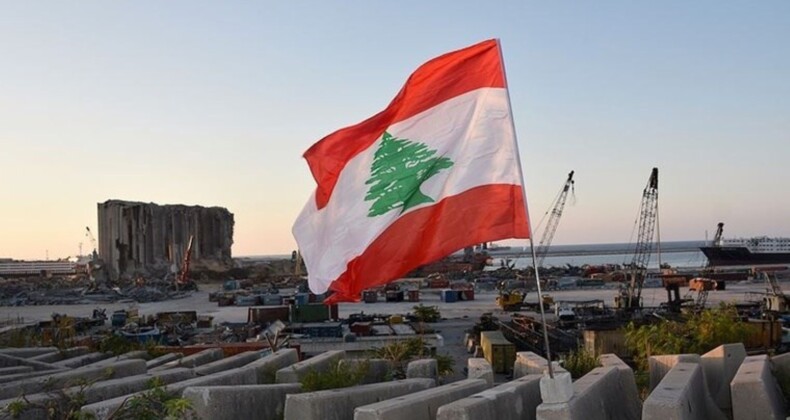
(717, 241)
(554, 219)
(89, 234)
(648, 220)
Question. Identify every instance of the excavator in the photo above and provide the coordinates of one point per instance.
(512, 293)
(183, 282)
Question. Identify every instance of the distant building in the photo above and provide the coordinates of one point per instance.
(136, 236)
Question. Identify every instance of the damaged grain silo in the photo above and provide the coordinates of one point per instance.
(146, 237)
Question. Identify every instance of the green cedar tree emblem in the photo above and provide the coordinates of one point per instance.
(399, 168)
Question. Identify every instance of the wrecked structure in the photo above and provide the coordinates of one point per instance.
(135, 236)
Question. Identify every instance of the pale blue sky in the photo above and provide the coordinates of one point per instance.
(212, 103)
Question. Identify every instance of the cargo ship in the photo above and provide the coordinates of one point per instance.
(762, 250)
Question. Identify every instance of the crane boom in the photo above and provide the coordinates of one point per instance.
(648, 216)
(554, 220)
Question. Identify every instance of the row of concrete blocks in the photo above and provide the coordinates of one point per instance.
(234, 388)
(724, 383)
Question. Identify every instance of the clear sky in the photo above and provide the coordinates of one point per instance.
(213, 103)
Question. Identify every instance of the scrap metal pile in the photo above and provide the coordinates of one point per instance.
(81, 290)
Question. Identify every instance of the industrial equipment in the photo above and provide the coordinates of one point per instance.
(182, 280)
(631, 297)
(554, 219)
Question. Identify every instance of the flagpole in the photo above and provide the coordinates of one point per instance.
(526, 210)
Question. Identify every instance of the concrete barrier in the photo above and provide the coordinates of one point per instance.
(161, 360)
(231, 362)
(85, 359)
(682, 395)
(529, 363)
(68, 378)
(423, 368)
(339, 404)
(514, 400)
(320, 363)
(62, 354)
(598, 395)
(479, 368)
(630, 393)
(29, 375)
(240, 402)
(659, 366)
(201, 358)
(376, 370)
(13, 370)
(720, 366)
(421, 405)
(99, 391)
(7, 360)
(238, 376)
(755, 393)
(266, 367)
(27, 352)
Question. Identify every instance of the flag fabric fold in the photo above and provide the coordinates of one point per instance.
(436, 171)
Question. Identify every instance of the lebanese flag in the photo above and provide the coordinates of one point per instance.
(436, 171)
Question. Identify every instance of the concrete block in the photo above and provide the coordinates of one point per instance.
(100, 391)
(68, 378)
(161, 360)
(240, 402)
(339, 404)
(201, 358)
(659, 366)
(630, 393)
(28, 375)
(720, 366)
(682, 395)
(514, 400)
(320, 363)
(13, 361)
(556, 390)
(755, 392)
(376, 370)
(231, 362)
(423, 368)
(266, 367)
(421, 405)
(479, 368)
(26, 352)
(529, 363)
(13, 370)
(62, 354)
(233, 377)
(83, 360)
(597, 395)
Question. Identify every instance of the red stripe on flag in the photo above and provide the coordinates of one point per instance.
(436, 81)
(482, 214)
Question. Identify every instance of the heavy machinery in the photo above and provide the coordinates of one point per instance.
(631, 296)
(182, 279)
(554, 219)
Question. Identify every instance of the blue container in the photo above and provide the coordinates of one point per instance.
(302, 298)
(449, 295)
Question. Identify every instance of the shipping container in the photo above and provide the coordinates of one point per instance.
(268, 314)
(606, 341)
(370, 296)
(498, 351)
(302, 298)
(466, 294)
(242, 300)
(319, 329)
(361, 329)
(414, 295)
(449, 295)
(271, 300)
(313, 312)
(394, 296)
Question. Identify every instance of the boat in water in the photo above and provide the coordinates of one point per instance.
(761, 250)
